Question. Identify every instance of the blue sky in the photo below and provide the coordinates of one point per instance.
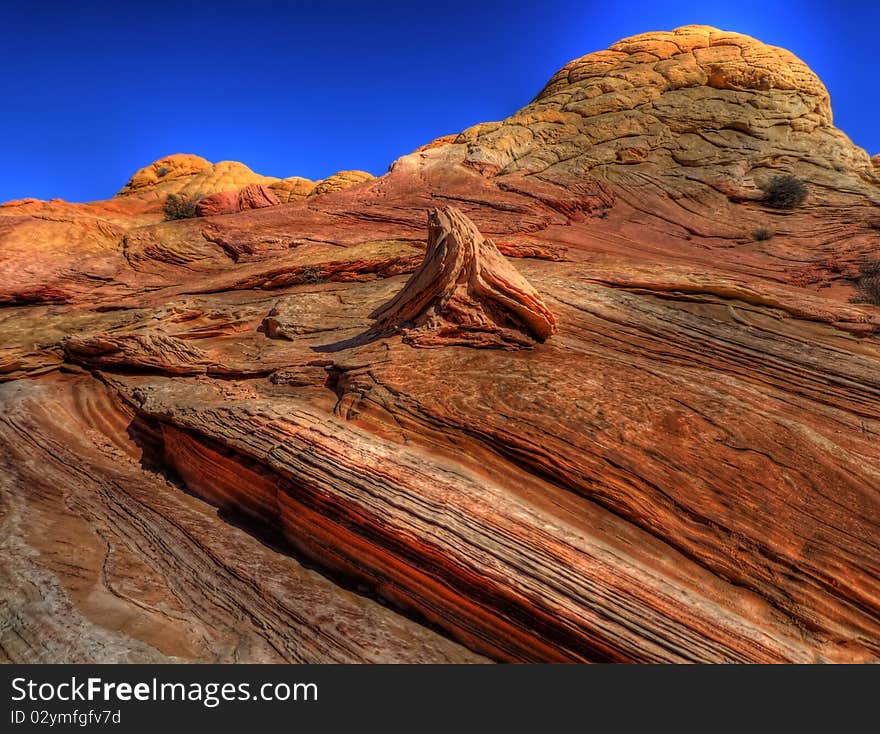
(93, 91)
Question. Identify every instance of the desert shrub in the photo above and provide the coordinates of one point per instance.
(310, 276)
(784, 192)
(178, 206)
(162, 171)
(868, 282)
(759, 234)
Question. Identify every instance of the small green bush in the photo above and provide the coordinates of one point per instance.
(868, 282)
(162, 171)
(784, 192)
(178, 206)
(759, 234)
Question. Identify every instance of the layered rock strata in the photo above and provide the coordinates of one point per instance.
(252, 196)
(465, 292)
(209, 450)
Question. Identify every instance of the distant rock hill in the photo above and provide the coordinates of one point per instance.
(596, 382)
(691, 105)
(190, 175)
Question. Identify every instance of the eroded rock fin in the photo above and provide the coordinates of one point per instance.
(466, 292)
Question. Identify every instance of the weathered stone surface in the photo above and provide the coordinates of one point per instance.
(190, 175)
(142, 350)
(465, 292)
(255, 196)
(252, 196)
(105, 560)
(687, 470)
(167, 170)
(193, 176)
(292, 189)
(223, 202)
(340, 181)
(716, 105)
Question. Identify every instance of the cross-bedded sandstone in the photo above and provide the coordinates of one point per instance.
(686, 471)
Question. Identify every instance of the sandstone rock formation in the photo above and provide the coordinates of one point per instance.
(687, 470)
(255, 196)
(223, 202)
(193, 176)
(465, 292)
(252, 196)
(190, 175)
(695, 104)
(340, 181)
(292, 189)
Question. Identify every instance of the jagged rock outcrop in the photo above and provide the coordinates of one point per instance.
(253, 469)
(465, 292)
(252, 196)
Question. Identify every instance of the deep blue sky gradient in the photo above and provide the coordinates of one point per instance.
(93, 91)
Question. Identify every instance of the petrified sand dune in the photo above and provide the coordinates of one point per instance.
(667, 448)
(465, 292)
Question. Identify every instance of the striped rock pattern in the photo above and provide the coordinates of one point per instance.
(209, 450)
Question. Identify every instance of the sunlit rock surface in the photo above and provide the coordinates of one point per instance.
(209, 450)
